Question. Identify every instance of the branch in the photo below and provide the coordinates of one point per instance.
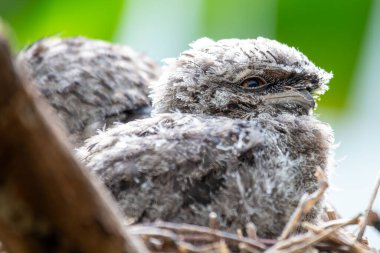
(47, 202)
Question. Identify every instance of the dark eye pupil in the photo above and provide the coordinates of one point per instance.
(252, 83)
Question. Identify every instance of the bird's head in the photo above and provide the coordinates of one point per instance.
(239, 79)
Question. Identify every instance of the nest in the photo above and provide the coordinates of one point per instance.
(172, 237)
(330, 236)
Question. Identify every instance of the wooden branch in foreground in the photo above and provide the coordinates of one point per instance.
(47, 202)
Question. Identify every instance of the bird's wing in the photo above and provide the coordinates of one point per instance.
(158, 166)
(90, 83)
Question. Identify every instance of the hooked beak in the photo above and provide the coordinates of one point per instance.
(299, 97)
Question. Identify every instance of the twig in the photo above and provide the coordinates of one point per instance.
(185, 238)
(308, 240)
(339, 237)
(244, 248)
(331, 213)
(352, 221)
(251, 230)
(213, 220)
(186, 229)
(370, 204)
(374, 220)
(295, 218)
(306, 204)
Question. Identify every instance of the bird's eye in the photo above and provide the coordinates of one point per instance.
(253, 82)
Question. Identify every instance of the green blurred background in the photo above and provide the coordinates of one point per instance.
(329, 32)
(342, 36)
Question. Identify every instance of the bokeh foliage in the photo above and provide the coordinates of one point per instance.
(247, 19)
(33, 19)
(330, 33)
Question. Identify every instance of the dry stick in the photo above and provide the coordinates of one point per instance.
(312, 241)
(331, 214)
(295, 218)
(205, 232)
(342, 223)
(244, 248)
(341, 238)
(370, 204)
(374, 220)
(168, 240)
(47, 202)
(306, 204)
(352, 221)
(306, 240)
(213, 220)
(251, 230)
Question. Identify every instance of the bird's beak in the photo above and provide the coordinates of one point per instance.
(299, 97)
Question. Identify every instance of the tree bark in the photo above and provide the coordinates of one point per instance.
(48, 203)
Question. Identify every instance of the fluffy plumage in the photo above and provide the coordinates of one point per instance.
(214, 143)
(206, 78)
(90, 83)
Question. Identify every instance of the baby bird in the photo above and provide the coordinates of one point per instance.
(232, 131)
(89, 83)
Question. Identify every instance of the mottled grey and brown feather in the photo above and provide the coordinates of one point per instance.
(90, 83)
(180, 167)
(248, 154)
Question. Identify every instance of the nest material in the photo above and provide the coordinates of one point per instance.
(172, 237)
(330, 236)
